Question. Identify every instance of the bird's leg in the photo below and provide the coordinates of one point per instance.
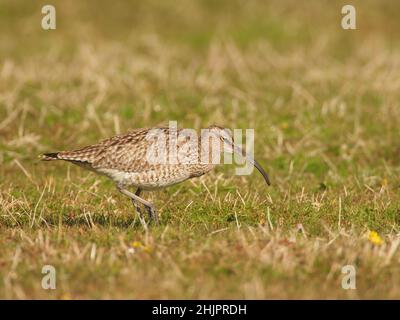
(153, 213)
(135, 197)
(135, 203)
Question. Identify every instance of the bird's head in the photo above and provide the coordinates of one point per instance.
(224, 138)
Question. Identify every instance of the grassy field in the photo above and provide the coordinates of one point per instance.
(325, 106)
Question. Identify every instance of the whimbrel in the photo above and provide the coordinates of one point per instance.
(142, 158)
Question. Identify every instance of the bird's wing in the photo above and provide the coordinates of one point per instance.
(123, 152)
(138, 151)
(128, 157)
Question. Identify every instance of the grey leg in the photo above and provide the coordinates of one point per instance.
(153, 214)
(135, 203)
(136, 198)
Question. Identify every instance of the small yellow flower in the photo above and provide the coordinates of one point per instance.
(384, 182)
(136, 244)
(141, 246)
(375, 238)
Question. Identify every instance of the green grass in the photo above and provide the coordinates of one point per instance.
(324, 104)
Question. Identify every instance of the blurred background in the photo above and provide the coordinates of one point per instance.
(269, 65)
(324, 103)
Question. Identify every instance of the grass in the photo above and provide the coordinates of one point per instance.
(324, 103)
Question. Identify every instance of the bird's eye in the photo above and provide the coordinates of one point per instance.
(227, 140)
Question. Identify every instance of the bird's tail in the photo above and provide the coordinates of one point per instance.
(49, 156)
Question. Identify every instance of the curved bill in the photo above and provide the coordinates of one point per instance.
(250, 159)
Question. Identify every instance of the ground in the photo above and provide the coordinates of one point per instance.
(324, 104)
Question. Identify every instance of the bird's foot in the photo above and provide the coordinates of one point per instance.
(153, 214)
(137, 207)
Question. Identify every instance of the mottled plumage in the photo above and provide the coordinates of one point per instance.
(123, 158)
(149, 158)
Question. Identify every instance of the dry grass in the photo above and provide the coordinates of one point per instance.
(324, 104)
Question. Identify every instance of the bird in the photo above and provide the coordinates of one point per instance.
(153, 158)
